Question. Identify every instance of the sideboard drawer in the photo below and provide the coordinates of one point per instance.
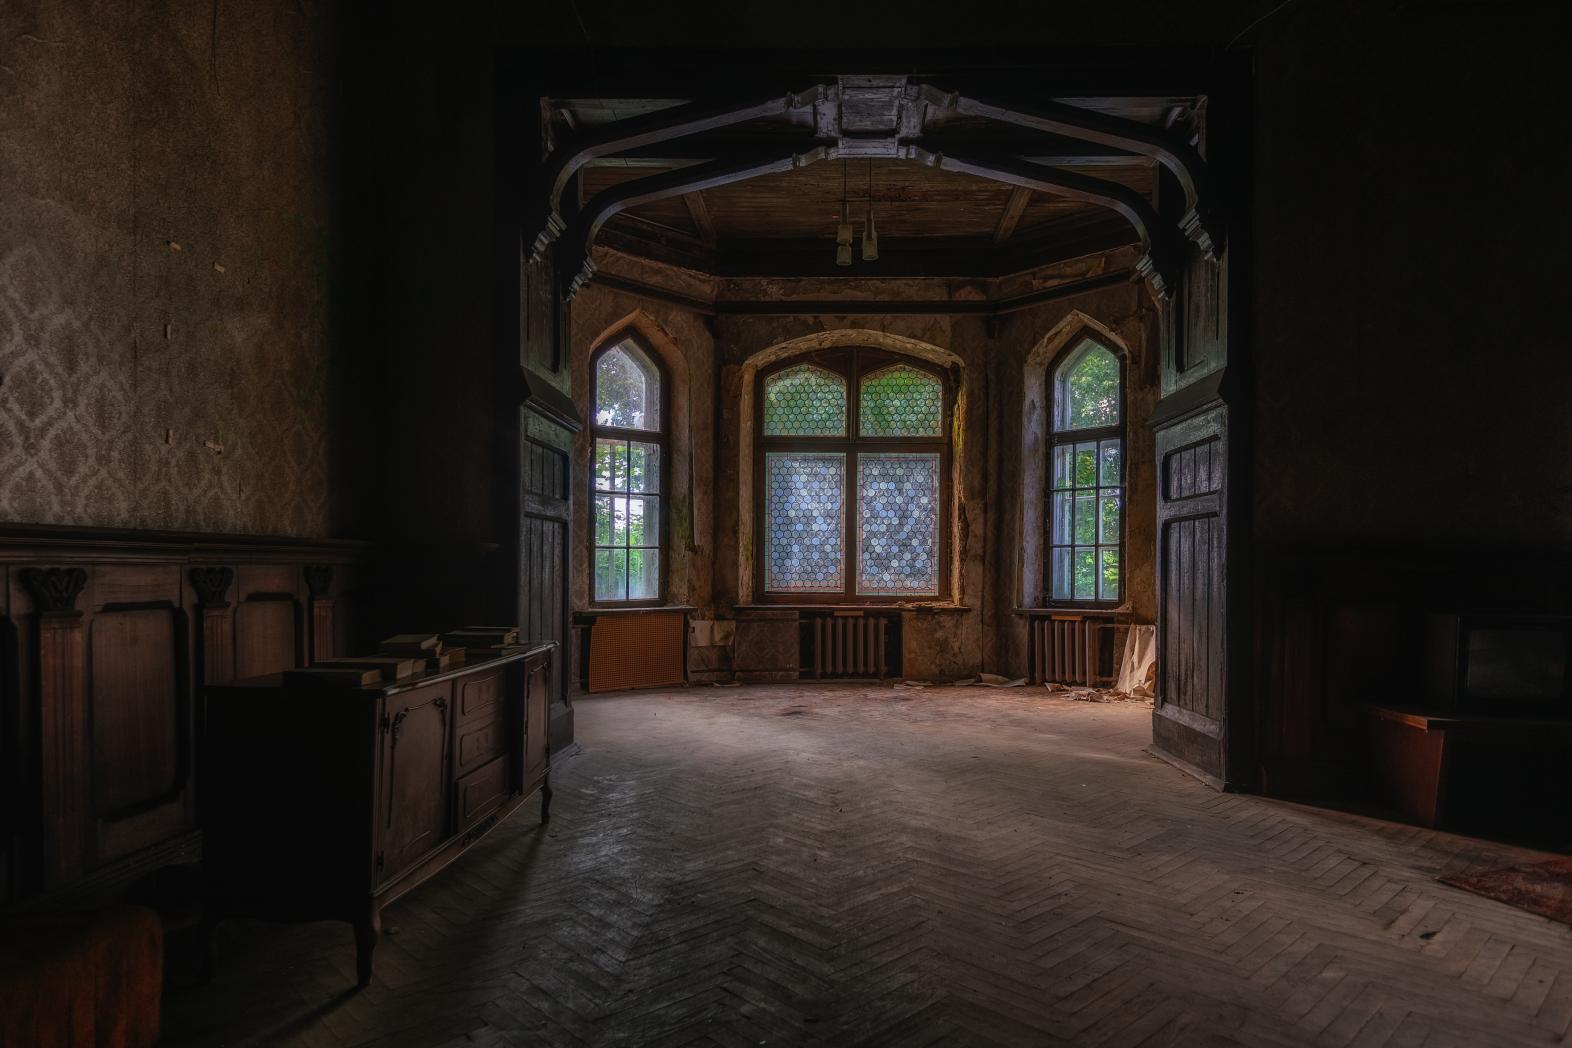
(481, 791)
(476, 743)
(480, 696)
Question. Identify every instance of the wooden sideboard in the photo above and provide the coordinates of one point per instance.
(326, 802)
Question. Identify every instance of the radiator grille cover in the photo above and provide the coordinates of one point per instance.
(637, 651)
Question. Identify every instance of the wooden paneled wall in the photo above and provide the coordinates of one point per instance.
(1336, 630)
(106, 640)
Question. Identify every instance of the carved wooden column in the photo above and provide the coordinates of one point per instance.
(216, 655)
(319, 580)
(62, 718)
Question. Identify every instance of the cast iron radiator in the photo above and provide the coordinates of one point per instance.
(850, 644)
(1076, 649)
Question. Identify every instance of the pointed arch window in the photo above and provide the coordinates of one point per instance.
(1086, 477)
(852, 479)
(628, 517)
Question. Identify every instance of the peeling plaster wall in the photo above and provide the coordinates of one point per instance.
(169, 277)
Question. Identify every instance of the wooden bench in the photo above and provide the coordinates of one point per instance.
(1411, 749)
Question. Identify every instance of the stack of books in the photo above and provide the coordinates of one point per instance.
(426, 648)
(482, 636)
(361, 670)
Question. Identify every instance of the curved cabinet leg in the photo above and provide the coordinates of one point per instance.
(368, 930)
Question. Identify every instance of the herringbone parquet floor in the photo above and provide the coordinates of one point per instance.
(876, 866)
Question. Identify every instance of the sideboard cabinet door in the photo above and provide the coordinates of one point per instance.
(413, 799)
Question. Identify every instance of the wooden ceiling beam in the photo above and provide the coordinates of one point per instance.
(578, 267)
(1014, 208)
(663, 125)
(1162, 259)
(699, 211)
(1038, 148)
(1200, 222)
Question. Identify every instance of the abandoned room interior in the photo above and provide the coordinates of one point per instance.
(597, 523)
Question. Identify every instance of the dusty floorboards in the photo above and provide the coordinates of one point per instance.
(871, 866)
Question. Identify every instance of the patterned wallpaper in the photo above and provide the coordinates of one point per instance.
(164, 326)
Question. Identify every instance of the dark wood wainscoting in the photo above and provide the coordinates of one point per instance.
(106, 640)
(1340, 631)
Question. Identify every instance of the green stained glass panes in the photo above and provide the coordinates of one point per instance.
(900, 401)
(805, 401)
(627, 389)
(897, 524)
(804, 522)
(1086, 389)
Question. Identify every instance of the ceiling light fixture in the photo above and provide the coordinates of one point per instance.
(843, 232)
(870, 232)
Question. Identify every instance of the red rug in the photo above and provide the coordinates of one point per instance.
(1544, 888)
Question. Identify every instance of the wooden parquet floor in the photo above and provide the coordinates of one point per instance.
(848, 866)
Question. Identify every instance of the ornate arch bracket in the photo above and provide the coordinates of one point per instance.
(1201, 222)
(1160, 264)
(578, 268)
(661, 126)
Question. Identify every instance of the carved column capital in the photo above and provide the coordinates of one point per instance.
(212, 586)
(319, 580)
(54, 590)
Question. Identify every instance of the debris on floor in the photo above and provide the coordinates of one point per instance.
(993, 680)
(1081, 693)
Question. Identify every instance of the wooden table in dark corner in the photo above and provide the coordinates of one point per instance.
(326, 802)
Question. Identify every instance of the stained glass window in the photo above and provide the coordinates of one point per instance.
(898, 524)
(1086, 477)
(843, 513)
(805, 522)
(626, 476)
(805, 401)
(900, 401)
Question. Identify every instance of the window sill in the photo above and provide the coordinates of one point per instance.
(587, 615)
(1073, 609)
(936, 607)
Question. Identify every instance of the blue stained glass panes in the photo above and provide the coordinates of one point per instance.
(805, 401)
(900, 401)
(804, 522)
(898, 525)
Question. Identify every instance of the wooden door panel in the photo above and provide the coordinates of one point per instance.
(475, 744)
(415, 777)
(137, 708)
(1190, 714)
(480, 697)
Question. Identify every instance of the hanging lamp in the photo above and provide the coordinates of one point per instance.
(843, 232)
(870, 232)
